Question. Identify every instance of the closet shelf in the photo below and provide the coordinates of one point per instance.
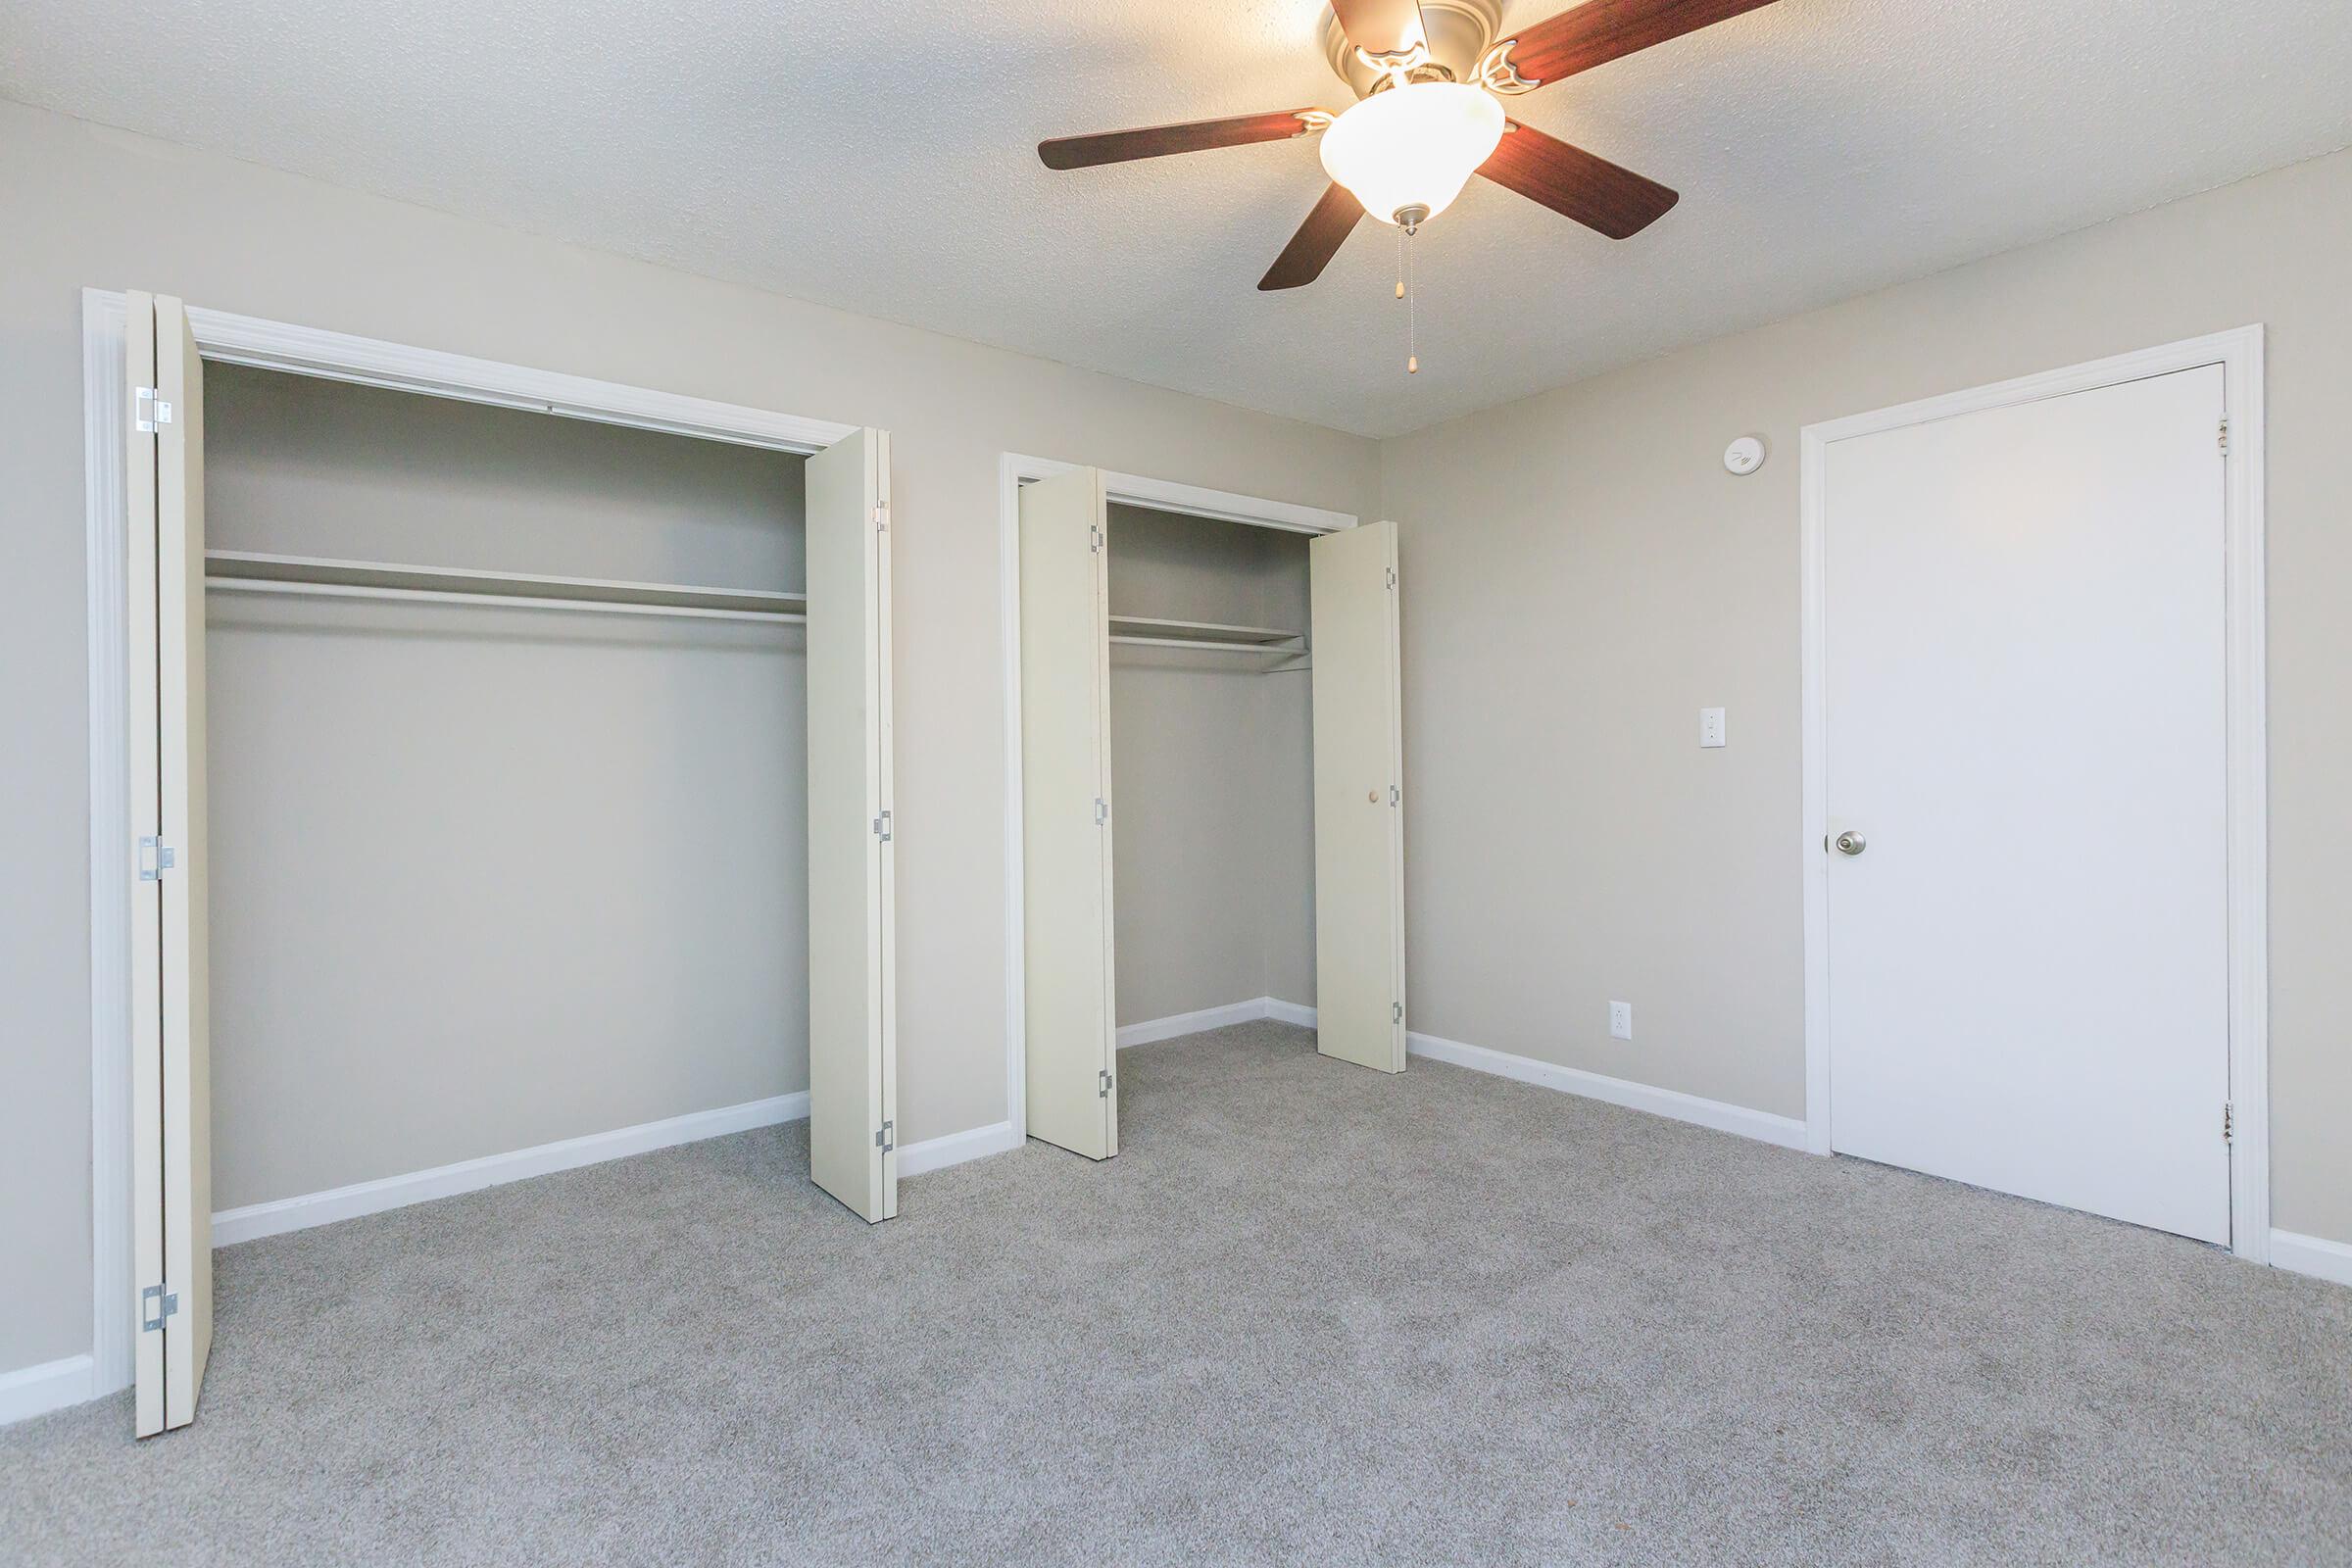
(253, 572)
(1141, 629)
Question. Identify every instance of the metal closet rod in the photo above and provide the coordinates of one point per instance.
(1213, 647)
(436, 595)
(1270, 650)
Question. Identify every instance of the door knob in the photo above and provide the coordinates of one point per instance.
(1851, 843)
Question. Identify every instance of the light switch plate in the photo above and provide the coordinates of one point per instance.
(1621, 1020)
(1710, 726)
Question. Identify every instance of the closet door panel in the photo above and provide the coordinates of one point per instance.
(143, 718)
(852, 1087)
(1359, 813)
(188, 963)
(1065, 814)
(172, 1117)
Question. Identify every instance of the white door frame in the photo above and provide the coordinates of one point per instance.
(304, 351)
(2239, 355)
(1120, 489)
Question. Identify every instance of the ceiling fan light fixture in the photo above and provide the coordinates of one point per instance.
(1414, 145)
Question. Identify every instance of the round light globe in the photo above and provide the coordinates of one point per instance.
(1413, 146)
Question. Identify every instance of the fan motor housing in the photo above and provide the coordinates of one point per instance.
(1459, 34)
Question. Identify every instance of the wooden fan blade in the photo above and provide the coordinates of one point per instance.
(1317, 241)
(1602, 30)
(1157, 141)
(1576, 183)
(1380, 26)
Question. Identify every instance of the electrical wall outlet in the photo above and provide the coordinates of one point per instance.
(1621, 1020)
(1710, 726)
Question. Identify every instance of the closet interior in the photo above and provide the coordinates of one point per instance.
(500, 779)
(499, 855)
(1213, 769)
(1211, 785)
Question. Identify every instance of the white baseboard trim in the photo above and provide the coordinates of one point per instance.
(1192, 1023)
(2315, 1255)
(973, 1143)
(32, 1390)
(1786, 1130)
(256, 1220)
(1296, 1012)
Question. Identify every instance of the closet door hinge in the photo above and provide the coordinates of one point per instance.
(1102, 1080)
(882, 828)
(155, 858)
(1102, 811)
(1395, 796)
(156, 1304)
(2229, 1123)
(1391, 579)
(887, 1139)
(2225, 437)
(881, 518)
(1093, 537)
(147, 411)
(1396, 1011)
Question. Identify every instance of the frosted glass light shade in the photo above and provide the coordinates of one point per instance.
(1412, 146)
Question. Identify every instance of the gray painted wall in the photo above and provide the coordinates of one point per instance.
(1581, 576)
(94, 208)
(488, 878)
(1213, 853)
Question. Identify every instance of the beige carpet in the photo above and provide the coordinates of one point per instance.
(1312, 1314)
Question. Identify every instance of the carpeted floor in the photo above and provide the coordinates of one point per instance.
(1312, 1314)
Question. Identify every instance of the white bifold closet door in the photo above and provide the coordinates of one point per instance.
(1359, 797)
(171, 1107)
(852, 1048)
(1065, 814)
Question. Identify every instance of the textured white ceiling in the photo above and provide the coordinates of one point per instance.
(878, 156)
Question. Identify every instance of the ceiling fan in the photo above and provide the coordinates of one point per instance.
(1429, 77)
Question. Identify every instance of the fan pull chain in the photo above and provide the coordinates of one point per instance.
(1404, 292)
(1413, 310)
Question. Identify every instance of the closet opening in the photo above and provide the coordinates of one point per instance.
(1206, 776)
(1212, 771)
(508, 786)
(507, 781)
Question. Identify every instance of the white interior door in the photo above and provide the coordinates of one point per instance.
(172, 1107)
(1360, 798)
(1065, 814)
(2025, 723)
(853, 1035)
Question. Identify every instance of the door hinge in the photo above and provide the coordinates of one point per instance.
(1093, 537)
(156, 1304)
(882, 828)
(2225, 435)
(881, 518)
(147, 411)
(1391, 579)
(155, 858)
(1395, 796)
(1102, 811)
(2229, 1123)
(1103, 1078)
(887, 1139)
(1396, 1011)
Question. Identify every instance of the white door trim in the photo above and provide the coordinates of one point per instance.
(307, 351)
(1014, 469)
(2239, 354)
